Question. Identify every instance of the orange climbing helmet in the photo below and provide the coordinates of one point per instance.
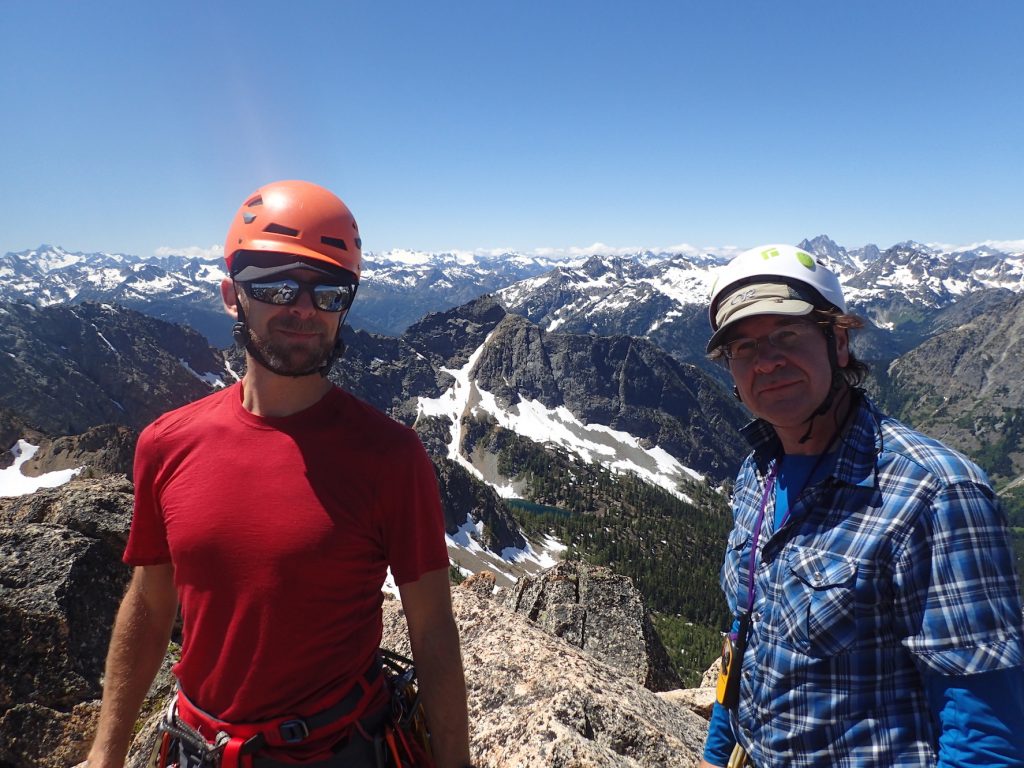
(300, 219)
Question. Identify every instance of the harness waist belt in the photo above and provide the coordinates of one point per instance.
(239, 741)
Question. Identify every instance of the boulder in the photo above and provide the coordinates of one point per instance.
(698, 700)
(600, 612)
(61, 581)
(35, 736)
(98, 508)
(101, 450)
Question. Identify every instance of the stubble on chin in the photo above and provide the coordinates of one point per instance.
(292, 357)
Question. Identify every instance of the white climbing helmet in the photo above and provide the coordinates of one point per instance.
(782, 280)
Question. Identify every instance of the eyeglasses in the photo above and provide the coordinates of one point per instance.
(785, 339)
(325, 296)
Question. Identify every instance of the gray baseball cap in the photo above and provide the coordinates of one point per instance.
(757, 299)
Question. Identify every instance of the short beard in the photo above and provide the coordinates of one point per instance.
(292, 360)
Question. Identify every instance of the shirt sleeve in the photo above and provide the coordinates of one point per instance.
(957, 588)
(980, 718)
(414, 529)
(147, 538)
(720, 742)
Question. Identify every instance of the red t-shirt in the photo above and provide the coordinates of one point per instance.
(281, 531)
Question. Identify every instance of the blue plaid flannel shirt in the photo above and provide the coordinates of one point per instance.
(898, 562)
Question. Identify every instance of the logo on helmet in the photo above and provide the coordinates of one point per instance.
(805, 259)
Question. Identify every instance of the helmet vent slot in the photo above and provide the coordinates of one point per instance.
(279, 229)
(337, 242)
(258, 200)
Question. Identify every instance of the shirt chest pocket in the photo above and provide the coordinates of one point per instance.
(819, 598)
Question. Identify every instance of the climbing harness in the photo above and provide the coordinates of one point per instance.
(393, 735)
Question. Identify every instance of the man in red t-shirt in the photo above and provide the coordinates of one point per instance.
(271, 511)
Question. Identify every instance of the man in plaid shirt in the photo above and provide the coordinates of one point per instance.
(878, 617)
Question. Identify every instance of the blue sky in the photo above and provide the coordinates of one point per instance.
(137, 127)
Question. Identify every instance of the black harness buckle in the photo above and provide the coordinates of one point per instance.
(293, 731)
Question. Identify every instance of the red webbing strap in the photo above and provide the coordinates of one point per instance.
(232, 756)
(389, 737)
(214, 731)
(165, 749)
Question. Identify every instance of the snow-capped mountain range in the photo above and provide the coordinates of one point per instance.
(611, 286)
(640, 294)
(908, 292)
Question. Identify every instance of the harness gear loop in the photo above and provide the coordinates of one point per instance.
(407, 733)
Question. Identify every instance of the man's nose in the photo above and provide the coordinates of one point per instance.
(767, 355)
(304, 303)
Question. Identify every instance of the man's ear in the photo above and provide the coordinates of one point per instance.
(842, 347)
(229, 296)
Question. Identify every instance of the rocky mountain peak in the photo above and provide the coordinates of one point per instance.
(825, 246)
(72, 367)
(624, 382)
(848, 262)
(449, 337)
(913, 246)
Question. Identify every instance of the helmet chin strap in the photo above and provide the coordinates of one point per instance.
(834, 386)
(242, 337)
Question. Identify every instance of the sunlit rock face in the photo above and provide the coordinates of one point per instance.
(537, 700)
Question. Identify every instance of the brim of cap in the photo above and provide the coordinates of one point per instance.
(298, 251)
(247, 274)
(767, 306)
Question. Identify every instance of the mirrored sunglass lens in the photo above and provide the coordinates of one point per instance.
(329, 298)
(281, 292)
(332, 298)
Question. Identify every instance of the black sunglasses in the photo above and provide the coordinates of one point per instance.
(325, 296)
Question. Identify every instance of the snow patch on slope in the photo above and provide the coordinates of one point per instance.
(14, 483)
(596, 443)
